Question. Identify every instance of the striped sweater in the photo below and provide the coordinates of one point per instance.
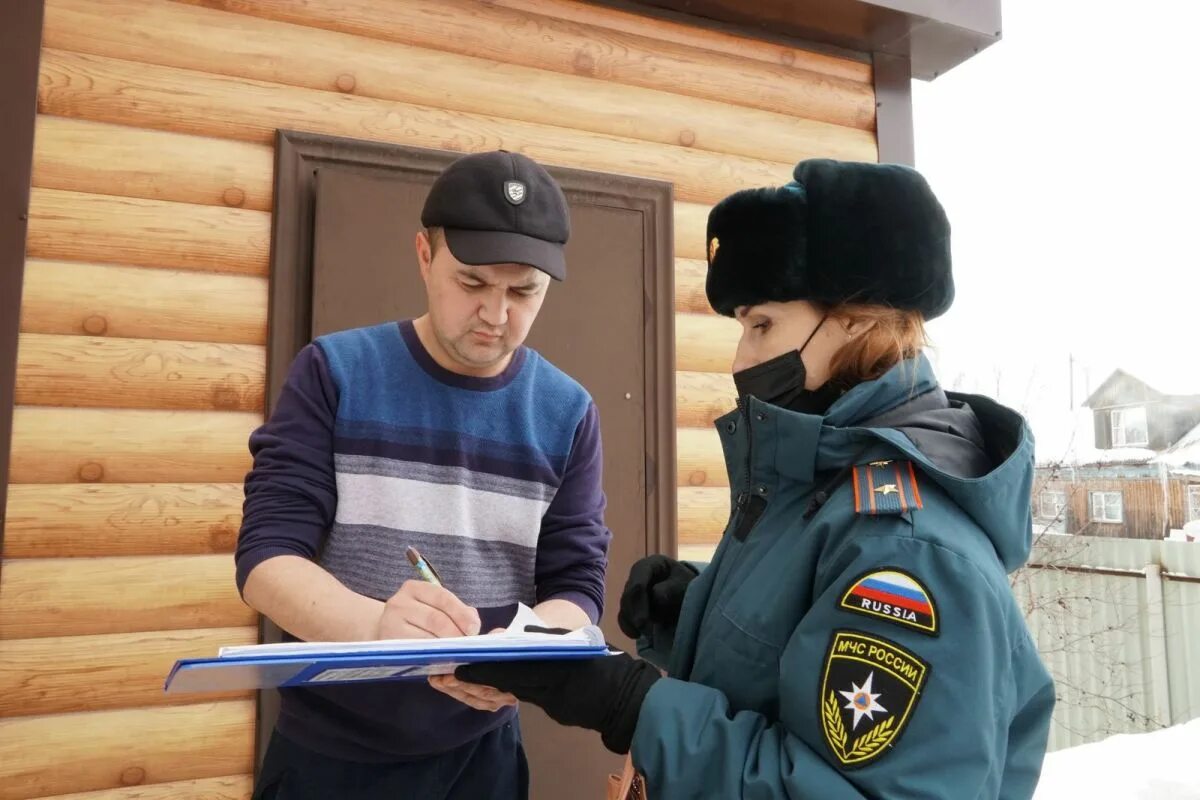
(373, 446)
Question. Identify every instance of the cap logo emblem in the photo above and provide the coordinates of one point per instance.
(713, 245)
(515, 192)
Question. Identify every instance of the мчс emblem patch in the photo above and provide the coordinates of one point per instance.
(894, 595)
(870, 689)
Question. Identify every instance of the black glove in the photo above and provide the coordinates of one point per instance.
(653, 594)
(604, 694)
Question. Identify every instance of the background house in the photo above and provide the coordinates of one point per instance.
(156, 228)
(1134, 469)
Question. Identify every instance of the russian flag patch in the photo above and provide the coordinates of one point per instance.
(894, 595)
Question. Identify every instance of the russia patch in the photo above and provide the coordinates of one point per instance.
(868, 693)
(894, 595)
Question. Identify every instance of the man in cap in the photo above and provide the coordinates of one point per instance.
(444, 433)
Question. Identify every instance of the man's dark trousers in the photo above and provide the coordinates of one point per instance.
(492, 766)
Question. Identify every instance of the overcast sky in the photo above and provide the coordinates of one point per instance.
(1066, 157)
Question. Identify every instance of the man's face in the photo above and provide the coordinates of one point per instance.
(480, 314)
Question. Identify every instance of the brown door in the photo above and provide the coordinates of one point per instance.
(600, 326)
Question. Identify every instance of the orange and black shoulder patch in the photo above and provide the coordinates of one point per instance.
(870, 689)
(886, 487)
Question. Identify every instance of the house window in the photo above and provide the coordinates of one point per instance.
(1129, 427)
(1051, 504)
(1107, 507)
(1193, 507)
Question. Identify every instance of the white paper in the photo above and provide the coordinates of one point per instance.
(514, 637)
(525, 616)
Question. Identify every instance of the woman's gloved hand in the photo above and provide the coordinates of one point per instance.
(653, 594)
(603, 694)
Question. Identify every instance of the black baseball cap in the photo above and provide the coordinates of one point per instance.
(500, 208)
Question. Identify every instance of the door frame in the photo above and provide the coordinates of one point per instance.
(20, 53)
(298, 157)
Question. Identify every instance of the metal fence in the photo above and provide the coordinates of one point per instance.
(1118, 625)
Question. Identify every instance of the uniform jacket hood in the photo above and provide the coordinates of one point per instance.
(978, 451)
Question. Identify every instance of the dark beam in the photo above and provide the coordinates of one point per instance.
(893, 109)
(20, 48)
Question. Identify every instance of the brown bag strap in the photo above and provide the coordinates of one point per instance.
(629, 785)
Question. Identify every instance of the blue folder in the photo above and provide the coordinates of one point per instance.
(271, 671)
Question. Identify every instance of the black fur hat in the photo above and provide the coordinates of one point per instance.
(839, 232)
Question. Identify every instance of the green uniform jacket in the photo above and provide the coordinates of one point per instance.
(855, 635)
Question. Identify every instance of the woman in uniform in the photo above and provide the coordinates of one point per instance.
(855, 635)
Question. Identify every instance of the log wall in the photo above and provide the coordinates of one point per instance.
(142, 353)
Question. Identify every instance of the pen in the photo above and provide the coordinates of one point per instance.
(423, 567)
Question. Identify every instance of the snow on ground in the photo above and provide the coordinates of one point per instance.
(1146, 766)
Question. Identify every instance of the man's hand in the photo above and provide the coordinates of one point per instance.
(422, 610)
(561, 614)
(477, 696)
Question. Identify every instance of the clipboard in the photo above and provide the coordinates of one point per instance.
(288, 665)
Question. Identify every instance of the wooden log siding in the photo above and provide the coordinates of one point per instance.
(703, 514)
(167, 98)
(705, 343)
(92, 445)
(113, 519)
(51, 755)
(701, 462)
(513, 37)
(691, 226)
(229, 787)
(690, 276)
(78, 596)
(150, 233)
(701, 38)
(96, 372)
(145, 303)
(152, 32)
(72, 297)
(94, 157)
(62, 674)
(702, 397)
